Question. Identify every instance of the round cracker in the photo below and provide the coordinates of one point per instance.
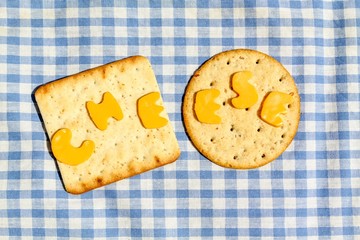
(242, 140)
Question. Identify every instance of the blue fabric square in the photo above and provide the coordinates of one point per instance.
(12, 59)
(183, 232)
(159, 232)
(203, 22)
(206, 232)
(158, 193)
(231, 213)
(155, 22)
(295, 4)
(159, 213)
(13, 4)
(13, 22)
(38, 213)
(231, 193)
(158, 174)
(112, 232)
(279, 232)
(202, 3)
(204, 42)
(132, 22)
(13, 213)
(14, 136)
(60, 22)
(324, 231)
(13, 40)
(253, 174)
(254, 213)
(37, 194)
(231, 232)
(14, 175)
(182, 193)
(87, 213)
(254, 193)
(135, 193)
(278, 193)
(84, 4)
(157, 41)
(228, 42)
(37, 60)
(112, 213)
(136, 232)
(179, 41)
(301, 193)
(179, 22)
(87, 233)
(83, 59)
(109, 41)
(182, 213)
(255, 232)
(206, 193)
(62, 232)
(301, 212)
(36, 22)
(250, 4)
(133, 41)
(227, 23)
(348, 231)
(14, 231)
(62, 214)
(180, 60)
(106, 3)
(206, 213)
(301, 232)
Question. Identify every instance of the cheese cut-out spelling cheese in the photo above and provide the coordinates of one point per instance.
(205, 106)
(149, 111)
(66, 153)
(273, 106)
(122, 148)
(247, 93)
(100, 113)
(249, 135)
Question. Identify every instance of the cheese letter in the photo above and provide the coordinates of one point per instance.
(100, 113)
(205, 106)
(64, 152)
(274, 105)
(247, 92)
(149, 111)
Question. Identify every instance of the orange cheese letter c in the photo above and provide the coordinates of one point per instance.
(64, 152)
(273, 106)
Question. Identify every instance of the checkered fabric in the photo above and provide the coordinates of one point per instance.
(311, 191)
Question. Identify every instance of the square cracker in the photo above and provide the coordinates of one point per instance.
(125, 148)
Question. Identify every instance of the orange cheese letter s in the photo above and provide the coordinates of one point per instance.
(99, 113)
(205, 106)
(149, 112)
(64, 152)
(274, 105)
(247, 92)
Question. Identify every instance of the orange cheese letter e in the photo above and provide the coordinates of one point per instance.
(205, 106)
(149, 112)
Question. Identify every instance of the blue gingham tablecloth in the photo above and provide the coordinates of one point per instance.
(311, 191)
